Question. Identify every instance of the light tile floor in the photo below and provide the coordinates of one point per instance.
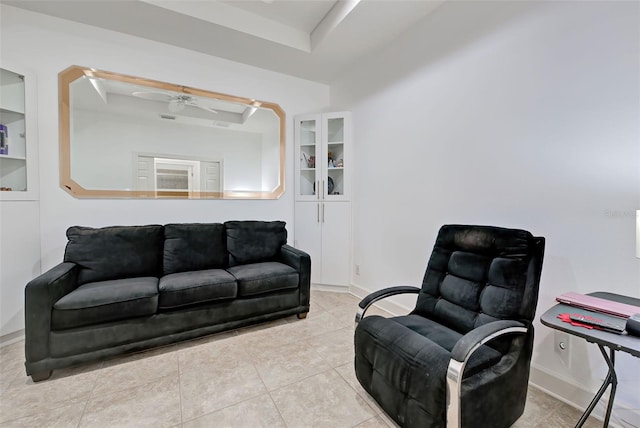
(287, 373)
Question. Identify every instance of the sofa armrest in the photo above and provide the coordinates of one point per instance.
(462, 352)
(301, 262)
(383, 294)
(297, 259)
(40, 294)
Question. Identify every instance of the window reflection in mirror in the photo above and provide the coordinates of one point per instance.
(124, 136)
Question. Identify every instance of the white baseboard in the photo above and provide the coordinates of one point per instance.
(622, 415)
(384, 304)
(332, 288)
(10, 338)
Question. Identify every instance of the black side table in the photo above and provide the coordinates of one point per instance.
(613, 341)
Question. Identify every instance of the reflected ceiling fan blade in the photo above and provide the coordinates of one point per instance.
(176, 102)
(153, 96)
(195, 104)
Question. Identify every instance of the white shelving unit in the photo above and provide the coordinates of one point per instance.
(323, 193)
(17, 113)
(20, 207)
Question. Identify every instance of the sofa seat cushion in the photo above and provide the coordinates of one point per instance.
(265, 277)
(105, 301)
(190, 288)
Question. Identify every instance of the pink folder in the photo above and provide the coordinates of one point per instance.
(598, 305)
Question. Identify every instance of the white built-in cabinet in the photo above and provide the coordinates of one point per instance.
(323, 194)
(20, 206)
(17, 117)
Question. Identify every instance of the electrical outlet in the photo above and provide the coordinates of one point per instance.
(562, 347)
(357, 269)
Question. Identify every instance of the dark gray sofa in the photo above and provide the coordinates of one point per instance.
(126, 288)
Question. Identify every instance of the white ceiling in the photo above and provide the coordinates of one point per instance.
(312, 39)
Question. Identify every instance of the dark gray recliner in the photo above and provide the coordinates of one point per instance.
(462, 356)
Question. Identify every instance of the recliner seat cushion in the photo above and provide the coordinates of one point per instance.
(259, 278)
(447, 338)
(194, 246)
(106, 301)
(190, 288)
(254, 241)
(401, 360)
(115, 252)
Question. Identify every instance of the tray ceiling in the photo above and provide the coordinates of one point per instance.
(311, 39)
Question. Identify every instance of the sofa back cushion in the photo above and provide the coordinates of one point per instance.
(194, 246)
(115, 252)
(254, 241)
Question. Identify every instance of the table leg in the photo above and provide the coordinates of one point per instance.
(610, 379)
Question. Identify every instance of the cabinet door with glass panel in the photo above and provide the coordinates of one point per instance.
(336, 155)
(307, 137)
(323, 147)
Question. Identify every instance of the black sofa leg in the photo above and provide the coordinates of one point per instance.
(302, 315)
(40, 376)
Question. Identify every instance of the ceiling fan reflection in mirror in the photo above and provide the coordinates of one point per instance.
(177, 102)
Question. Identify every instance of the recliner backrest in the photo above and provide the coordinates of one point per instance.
(480, 274)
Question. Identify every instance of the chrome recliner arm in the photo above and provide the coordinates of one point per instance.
(460, 355)
(382, 294)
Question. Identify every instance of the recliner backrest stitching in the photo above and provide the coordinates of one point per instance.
(475, 277)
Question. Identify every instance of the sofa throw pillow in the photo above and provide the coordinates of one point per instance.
(194, 246)
(254, 241)
(115, 252)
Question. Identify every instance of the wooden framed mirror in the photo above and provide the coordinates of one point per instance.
(130, 137)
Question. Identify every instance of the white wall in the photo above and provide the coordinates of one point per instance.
(46, 46)
(19, 261)
(516, 114)
(270, 158)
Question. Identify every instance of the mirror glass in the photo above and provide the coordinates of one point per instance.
(128, 137)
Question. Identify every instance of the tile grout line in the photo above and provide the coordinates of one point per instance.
(249, 359)
(180, 389)
(375, 412)
(253, 363)
(285, 386)
(86, 404)
(235, 334)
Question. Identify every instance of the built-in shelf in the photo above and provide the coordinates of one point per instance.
(9, 157)
(17, 100)
(7, 116)
(13, 165)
